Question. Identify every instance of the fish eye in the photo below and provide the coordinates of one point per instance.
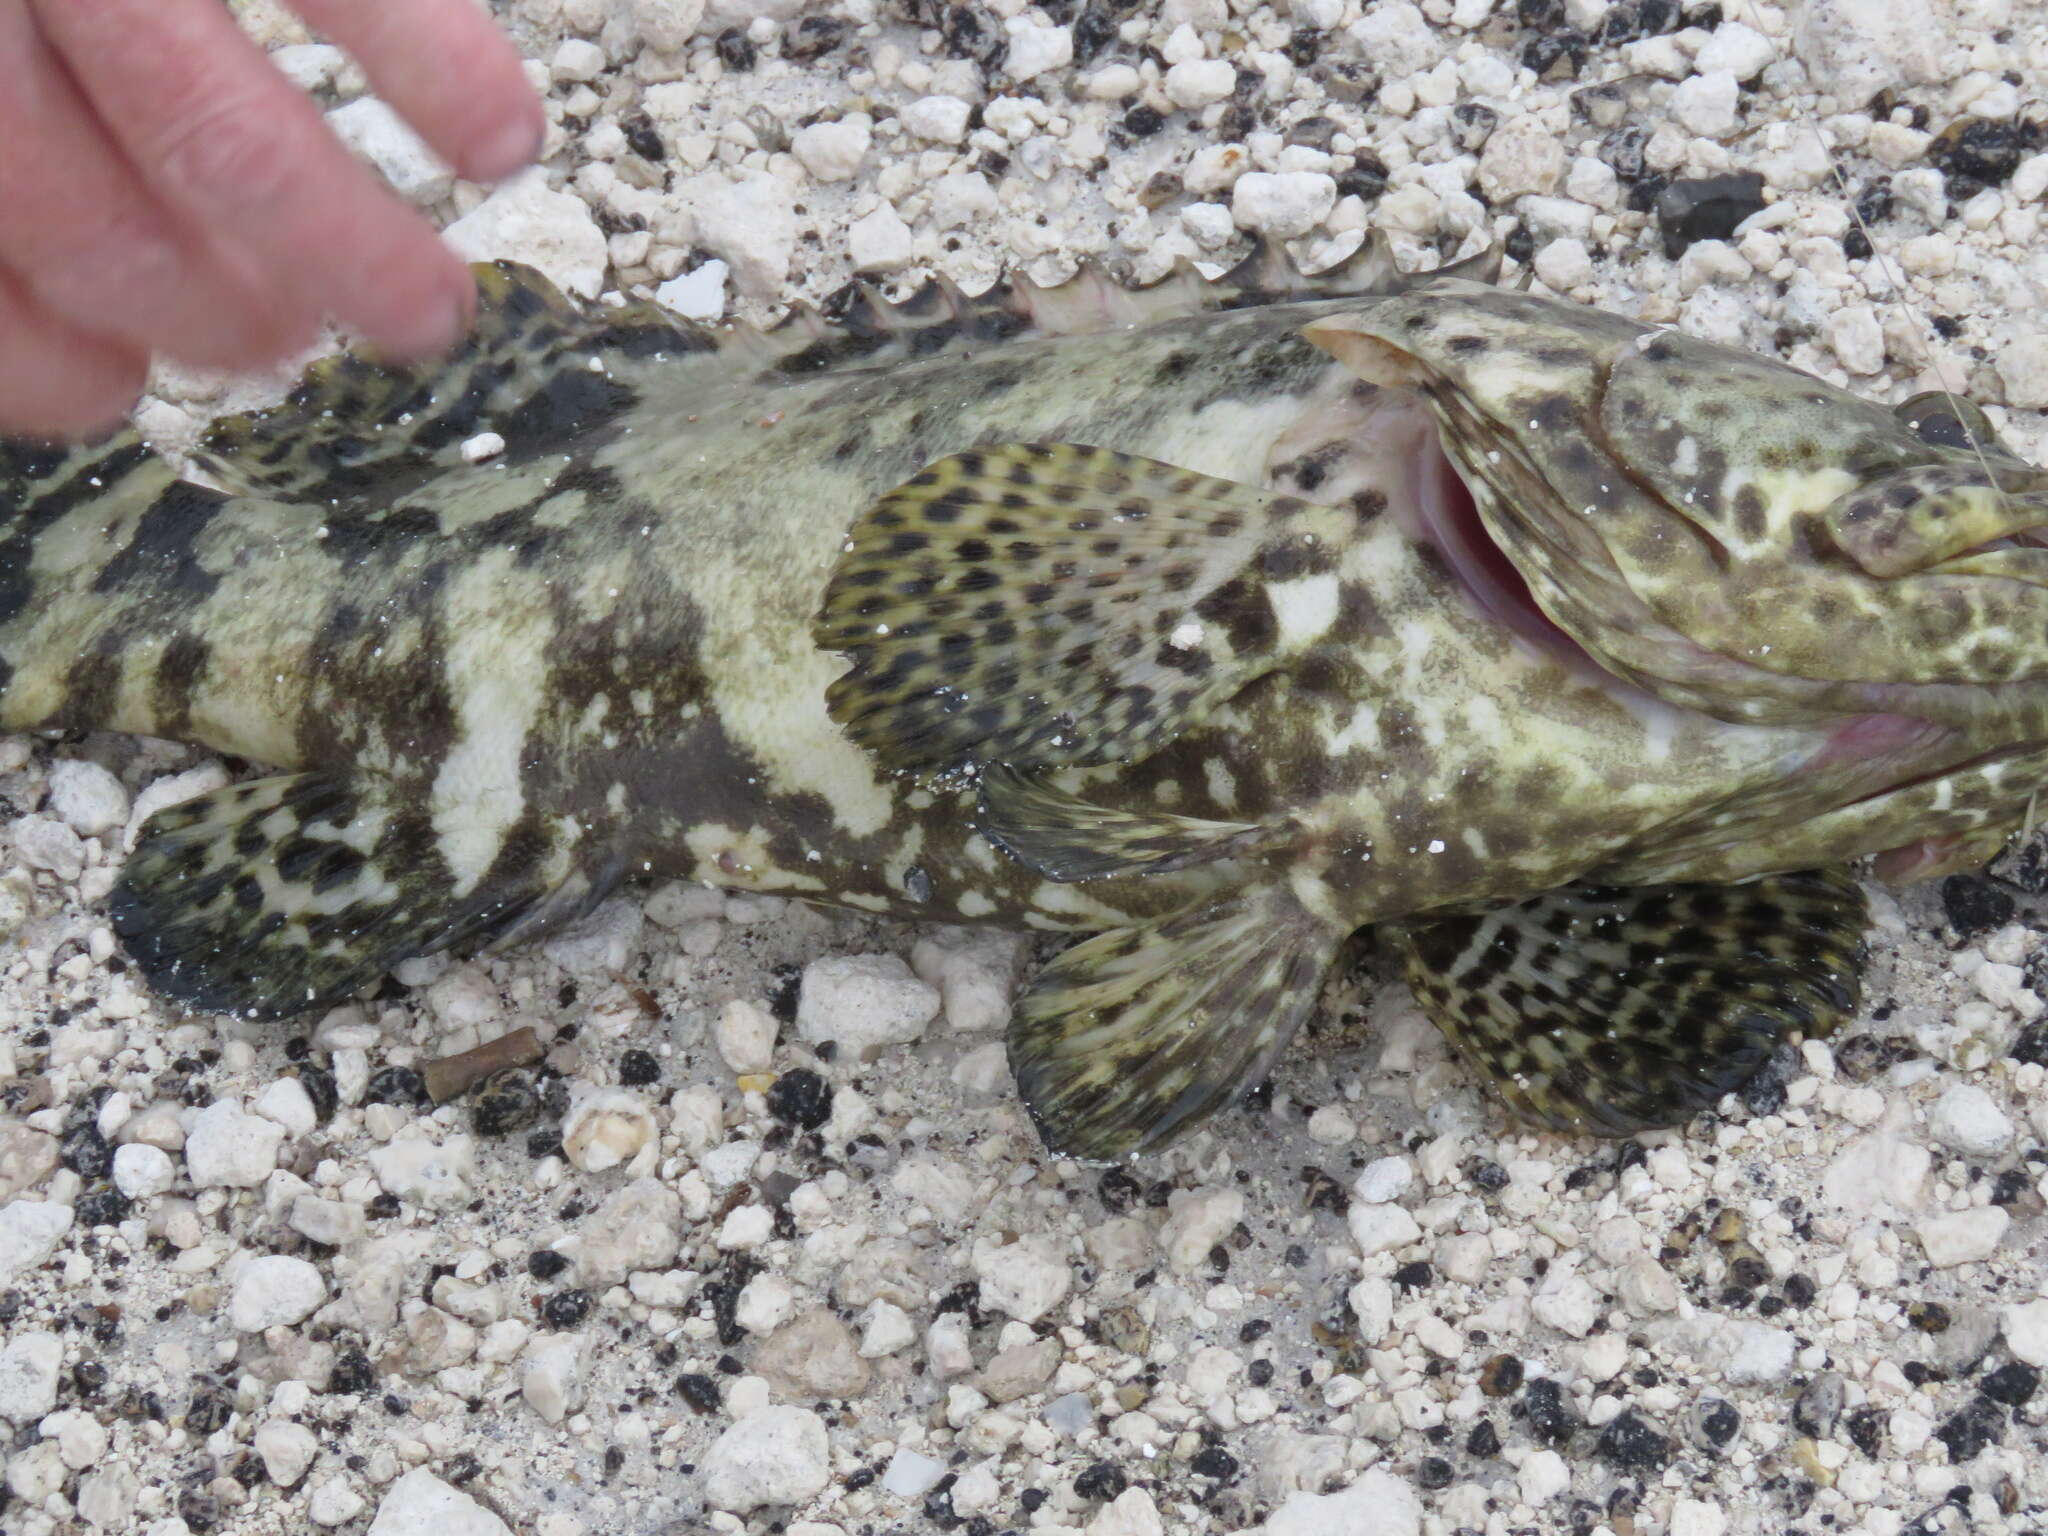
(1942, 420)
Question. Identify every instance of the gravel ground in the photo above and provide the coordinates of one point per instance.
(764, 1243)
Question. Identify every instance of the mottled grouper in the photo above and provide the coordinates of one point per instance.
(1217, 620)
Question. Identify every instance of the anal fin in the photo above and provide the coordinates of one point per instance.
(279, 895)
(1610, 1010)
(1127, 1041)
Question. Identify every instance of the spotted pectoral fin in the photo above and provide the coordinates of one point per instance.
(1611, 1010)
(1045, 604)
(1130, 1039)
(283, 894)
(1066, 838)
(536, 368)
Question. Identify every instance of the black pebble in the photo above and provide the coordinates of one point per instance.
(1433, 1473)
(1259, 1373)
(639, 1068)
(1484, 1441)
(1974, 905)
(1706, 208)
(1972, 1429)
(320, 1088)
(1550, 1412)
(700, 1392)
(736, 49)
(801, 1098)
(565, 1309)
(1214, 1461)
(545, 1263)
(1629, 1444)
(395, 1085)
(2012, 1384)
(1103, 1480)
(102, 1208)
(1414, 1275)
(86, 1152)
(210, 1409)
(1981, 150)
(352, 1373)
(1143, 121)
(1501, 1376)
(2031, 1045)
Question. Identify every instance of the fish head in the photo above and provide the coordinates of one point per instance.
(1718, 528)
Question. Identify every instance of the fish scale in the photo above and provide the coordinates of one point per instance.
(1216, 620)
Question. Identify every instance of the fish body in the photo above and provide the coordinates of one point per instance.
(1219, 621)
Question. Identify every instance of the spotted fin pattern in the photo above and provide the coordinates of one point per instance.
(1612, 1010)
(1126, 1042)
(1042, 604)
(536, 368)
(1065, 838)
(289, 893)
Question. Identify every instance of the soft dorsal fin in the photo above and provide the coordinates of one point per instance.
(536, 368)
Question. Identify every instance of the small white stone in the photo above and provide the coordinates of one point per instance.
(1383, 1179)
(287, 1103)
(1035, 49)
(864, 1002)
(1130, 1513)
(2023, 366)
(1543, 1476)
(46, 843)
(1196, 83)
(939, 119)
(484, 446)
(376, 133)
(1697, 1517)
(638, 1228)
(947, 1352)
(606, 1129)
(775, 1455)
(1967, 1119)
(274, 1291)
(81, 1439)
(1963, 1237)
(29, 1365)
(287, 1448)
(528, 221)
(86, 797)
(765, 1303)
(1564, 265)
(141, 1171)
(1329, 1126)
(1115, 82)
(1708, 105)
(228, 1147)
(577, 61)
(1025, 1279)
(833, 151)
(666, 26)
(960, 199)
(30, 1231)
(912, 1474)
(1567, 1302)
(879, 242)
(1739, 50)
(1521, 157)
(1283, 204)
(1378, 1504)
(1211, 224)
(335, 1501)
(420, 1504)
(1756, 1353)
(414, 1168)
(1857, 337)
(744, 1034)
(698, 294)
(746, 1226)
(552, 1382)
(1382, 1228)
(1196, 1221)
(885, 1329)
(2026, 1331)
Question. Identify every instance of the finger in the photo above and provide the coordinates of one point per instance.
(227, 143)
(448, 69)
(55, 380)
(89, 242)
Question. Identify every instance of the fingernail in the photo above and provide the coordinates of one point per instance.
(433, 329)
(514, 146)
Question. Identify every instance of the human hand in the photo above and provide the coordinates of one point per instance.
(164, 189)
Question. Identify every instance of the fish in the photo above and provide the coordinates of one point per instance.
(1206, 625)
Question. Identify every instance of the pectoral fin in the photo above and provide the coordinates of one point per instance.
(283, 894)
(1127, 1041)
(1043, 604)
(1066, 838)
(1607, 1010)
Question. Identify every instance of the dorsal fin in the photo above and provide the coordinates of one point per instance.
(536, 368)
(540, 369)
